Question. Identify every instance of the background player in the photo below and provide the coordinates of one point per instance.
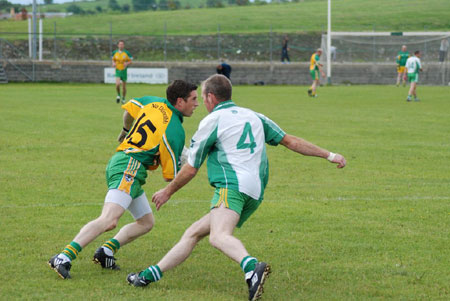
(402, 56)
(413, 65)
(234, 140)
(156, 137)
(314, 68)
(121, 59)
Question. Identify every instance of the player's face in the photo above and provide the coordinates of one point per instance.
(121, 45)
(188, 106)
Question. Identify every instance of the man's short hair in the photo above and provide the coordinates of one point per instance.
(219, 85)
(416, 52)
(319, 49)
(120, 41)
(179, 88)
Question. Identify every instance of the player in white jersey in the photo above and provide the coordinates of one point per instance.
(234, 140)
(413, 66)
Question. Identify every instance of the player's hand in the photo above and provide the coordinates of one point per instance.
(122, 136)
(340, 160)
(323, 74)
(160, 198)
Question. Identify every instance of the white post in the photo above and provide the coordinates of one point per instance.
(40, 39)
(34, 30)
(329, 44)
(29, 38)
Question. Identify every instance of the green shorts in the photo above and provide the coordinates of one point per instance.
(314, 74)
(125, 173)
(122, 74)
(237, 201)
(413, 77)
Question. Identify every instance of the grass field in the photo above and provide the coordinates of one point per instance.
(348, 15)
(378, 229)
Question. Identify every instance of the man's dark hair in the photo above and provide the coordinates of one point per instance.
(179, 88)
(416, 52)
(219, 85)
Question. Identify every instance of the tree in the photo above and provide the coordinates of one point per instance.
(163, 5)
(140, 5)
(214, 3)
(242, 2)
(126, 8)
(113, 5)
(174, 4)
(48, 1)
(75, 9)
(99, 9)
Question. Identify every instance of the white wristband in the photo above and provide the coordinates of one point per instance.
(331, 157)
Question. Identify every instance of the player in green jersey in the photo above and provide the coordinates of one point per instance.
(156, 138)
(402, 56)
(234, 140)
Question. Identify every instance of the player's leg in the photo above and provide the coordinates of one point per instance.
(178, 254)
(108, 219)
(404, 76)
(142, 213)
(118, 87)
(124, 90)
(232, 210)
(399, 75)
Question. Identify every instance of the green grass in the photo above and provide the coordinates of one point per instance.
(378, 229)
(349, 15)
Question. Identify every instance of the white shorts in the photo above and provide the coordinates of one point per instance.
(138, 207)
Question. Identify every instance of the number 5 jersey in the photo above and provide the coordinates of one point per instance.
(156, 135)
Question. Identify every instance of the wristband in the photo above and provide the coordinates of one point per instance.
(331, 157)
(125, 130)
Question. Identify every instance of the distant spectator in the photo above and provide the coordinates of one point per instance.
(333, 52)
(285, 50)
(443, 50)
(224, 69)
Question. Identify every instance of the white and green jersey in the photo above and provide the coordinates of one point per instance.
(413, 65)
(234, 140)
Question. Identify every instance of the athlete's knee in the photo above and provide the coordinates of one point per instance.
(216, 240)
(146, 222)
(194, 232)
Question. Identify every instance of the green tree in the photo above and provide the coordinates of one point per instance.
(126, 8)
(163, 5)
(113, 5)
(140, 5)
(99, 9)
(75, 9)
(48, 1)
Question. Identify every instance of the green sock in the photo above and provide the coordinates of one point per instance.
(248, 264)
(112, 244)
(72, 250)
(153, 273)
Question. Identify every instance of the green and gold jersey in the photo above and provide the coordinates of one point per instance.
(120, 58)
(314, 62)
(402, 56)
(157, 133)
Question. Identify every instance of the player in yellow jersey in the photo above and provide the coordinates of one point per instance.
(121, 59)
(156, 138)
(314, 68)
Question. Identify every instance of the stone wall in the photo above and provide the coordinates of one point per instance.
(243, 73)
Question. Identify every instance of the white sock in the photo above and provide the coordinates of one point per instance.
(64, 258)
(108, 251)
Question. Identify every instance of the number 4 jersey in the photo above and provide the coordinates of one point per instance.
(157, 133)
(234, 138)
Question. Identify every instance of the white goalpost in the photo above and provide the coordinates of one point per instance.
(382, 47)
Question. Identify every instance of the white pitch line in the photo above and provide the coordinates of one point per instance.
(338, 199)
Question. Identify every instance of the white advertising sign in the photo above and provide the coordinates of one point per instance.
(140, 75)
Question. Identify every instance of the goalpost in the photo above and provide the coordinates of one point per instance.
(382, 47)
